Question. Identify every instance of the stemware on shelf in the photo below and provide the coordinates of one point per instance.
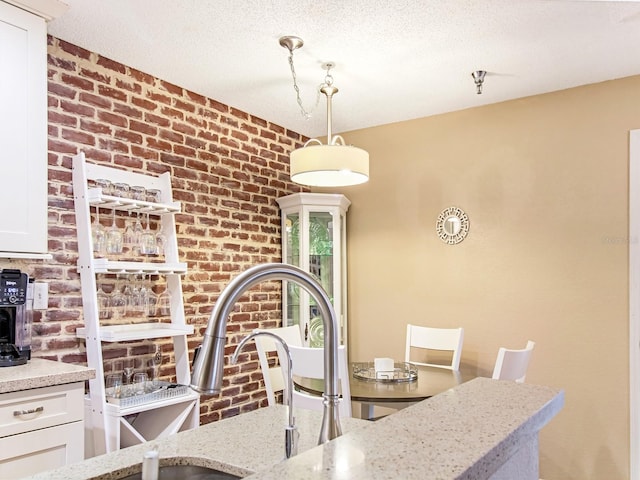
(161, 243)
(104, 304)
(113, 383)
(140, 380)
(138, 192)
(129, 367)
(119, 300)
(137, 234)
(137, 293)
(121, 190)
(114, 238)
(148, 244)
(163, 303)
(153, 195)
(98, 235)
(129, 242)
(156, 362)
(105, 185)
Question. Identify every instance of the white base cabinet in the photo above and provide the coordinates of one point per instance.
(41, 429)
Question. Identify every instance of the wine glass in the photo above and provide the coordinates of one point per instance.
(104, 304)
(129, 236)
(118, 301)
(163, 303)
(143, 293)
(156, 361)
(136, 298)
(98, 235)
(161, 243)
(148, 244)
(114, 238)
(137, 234)
(128, 370)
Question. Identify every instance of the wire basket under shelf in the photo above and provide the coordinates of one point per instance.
(154, 392)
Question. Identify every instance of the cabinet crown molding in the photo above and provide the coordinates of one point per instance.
(47, 9)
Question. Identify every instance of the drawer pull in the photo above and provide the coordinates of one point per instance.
(18, 413)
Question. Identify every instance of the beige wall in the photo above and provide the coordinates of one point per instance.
(544, 183)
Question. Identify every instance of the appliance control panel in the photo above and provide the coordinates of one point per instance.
(13, 287)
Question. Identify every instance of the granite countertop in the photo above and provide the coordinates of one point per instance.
(39, 372)
(467, 432)
(244, 444)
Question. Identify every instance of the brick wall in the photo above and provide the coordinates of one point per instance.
(227, 167)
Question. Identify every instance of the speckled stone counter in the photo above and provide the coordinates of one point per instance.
(39, 372)
(481, 429)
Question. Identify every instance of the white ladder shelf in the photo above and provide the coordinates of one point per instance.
(110, 426)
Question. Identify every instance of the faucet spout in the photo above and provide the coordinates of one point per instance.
(291, 434)
(209, 365)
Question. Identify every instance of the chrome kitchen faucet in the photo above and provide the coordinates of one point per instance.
(209, 364)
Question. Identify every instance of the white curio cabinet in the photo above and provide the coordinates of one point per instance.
(113, 424)
(314, 235)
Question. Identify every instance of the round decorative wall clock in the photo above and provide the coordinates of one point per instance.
(452, 225)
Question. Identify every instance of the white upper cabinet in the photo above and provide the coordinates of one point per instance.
(23, 133)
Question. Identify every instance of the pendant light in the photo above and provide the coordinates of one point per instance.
(333, 164)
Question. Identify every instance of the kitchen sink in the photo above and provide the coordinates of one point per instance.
(186, 472)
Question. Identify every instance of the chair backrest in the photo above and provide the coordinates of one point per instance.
(442, 339)
(273, 378)
(309, 363)
(513, 364)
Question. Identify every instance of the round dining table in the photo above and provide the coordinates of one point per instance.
(430, 381)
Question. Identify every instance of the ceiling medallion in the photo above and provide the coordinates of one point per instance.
(452, 225)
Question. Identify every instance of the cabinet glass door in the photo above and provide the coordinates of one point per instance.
(321, 266)
(291, 256)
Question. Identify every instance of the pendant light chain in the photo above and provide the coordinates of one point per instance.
(305, 114)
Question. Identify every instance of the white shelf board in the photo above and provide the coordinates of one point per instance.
(103, 265)
(138, 331)
(97, 199)
(115, 410)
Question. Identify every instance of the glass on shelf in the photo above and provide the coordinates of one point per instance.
(156, 362)
(138, 192)
(113, 382)
(140, 380)
(113, 238)
(163, 303)
(148, 245)
(98, 235)
(104, 304)
(153, 195)
(105, 185)
(121, 190)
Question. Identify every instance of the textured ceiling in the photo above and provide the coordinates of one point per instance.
(395, 59)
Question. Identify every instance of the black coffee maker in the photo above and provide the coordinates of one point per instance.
(16, 317)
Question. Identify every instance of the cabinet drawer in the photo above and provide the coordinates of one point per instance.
(34, 452)
(29, 410)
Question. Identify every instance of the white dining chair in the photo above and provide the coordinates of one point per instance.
(309, 363)
(513, 364)
(272, 374)
(440, 339)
